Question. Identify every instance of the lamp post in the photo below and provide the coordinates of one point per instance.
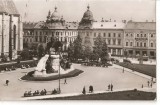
(59, 72)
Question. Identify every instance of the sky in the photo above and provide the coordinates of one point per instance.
(73, 10)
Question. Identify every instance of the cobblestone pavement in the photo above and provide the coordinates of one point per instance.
(98, 77)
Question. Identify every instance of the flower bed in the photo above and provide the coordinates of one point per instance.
(73, 73)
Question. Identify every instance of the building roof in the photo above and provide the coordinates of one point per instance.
(8, 6)
(42, 24)
(71, 25)
(141, 25)
(29, 25)
(108, 25)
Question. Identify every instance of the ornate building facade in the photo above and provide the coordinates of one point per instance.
(11, 38)
(136, 38)
(54, 27)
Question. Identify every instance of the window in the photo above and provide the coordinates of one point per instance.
(119, 35)
(137, 35)
(151, 44)
(114, 42)
(119, 41)
(87, 34)
(126, 35)
(109, 34)
(126, 43)
(145, 35)
(131, 35)
(114, 34)
(104, 34)
(94, 34)
(151, 35)
(144, 44)
(36, 33)
(36, 39)
(40, 33)
(99, 34)
(141, 35)
(141, 44)
(131, 44)
(109, 41)
(46, 33)
(137, 44)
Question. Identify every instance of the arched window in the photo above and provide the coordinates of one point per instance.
(151, 44)
(14, 37)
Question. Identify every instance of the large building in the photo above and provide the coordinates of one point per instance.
(140, 38)
(11, 38)
(55, 26)
(136, 38)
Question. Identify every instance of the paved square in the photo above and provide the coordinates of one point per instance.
(98, 77)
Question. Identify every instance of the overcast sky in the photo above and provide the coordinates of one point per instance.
(73, 10)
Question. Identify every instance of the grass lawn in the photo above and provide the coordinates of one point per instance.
(73, 73)
(142, 68)
(125, 95)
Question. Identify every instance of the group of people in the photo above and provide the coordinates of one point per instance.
(110, 87)
(36, 93)
(90, 89)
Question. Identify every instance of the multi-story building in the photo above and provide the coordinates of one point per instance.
(140, 38)
(136, 38)
(11, 38)
(55, 26)
(111, 32)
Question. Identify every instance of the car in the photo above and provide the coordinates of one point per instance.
(126, 61)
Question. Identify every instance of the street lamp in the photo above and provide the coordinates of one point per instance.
(59, 71)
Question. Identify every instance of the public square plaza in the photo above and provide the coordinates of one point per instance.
(98, 77)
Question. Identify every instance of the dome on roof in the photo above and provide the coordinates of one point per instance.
(55, 15)
(88, 15)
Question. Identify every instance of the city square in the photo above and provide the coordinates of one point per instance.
(52, 52)
(99, 77)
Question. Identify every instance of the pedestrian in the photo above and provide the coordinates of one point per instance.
(84, 91)
(152, 79)
(65, 81)
(45, 92)
(148, 83)
(7, 82)
(142, 85)
(151, 85)
(90, 89)
(111, 87)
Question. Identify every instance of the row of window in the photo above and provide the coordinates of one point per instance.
(112, 42)
(57, 33)
(109, 34)
(139, 35)
(45, 39)
(139, 44)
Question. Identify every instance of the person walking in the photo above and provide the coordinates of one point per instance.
(65, 81)
(7, 82)
(148, 83)
(111, 87)
(151, 84)
(84, 91)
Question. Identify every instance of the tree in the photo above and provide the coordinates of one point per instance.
(25, 54)
(70, 51)
(104, 55)
(98, 46)
(87, 52)
(78, 47)
(41, 51)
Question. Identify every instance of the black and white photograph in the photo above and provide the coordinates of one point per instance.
(78, 50)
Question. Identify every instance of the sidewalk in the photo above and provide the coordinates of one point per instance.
(77, 94)
(13, 62)
(134, 72)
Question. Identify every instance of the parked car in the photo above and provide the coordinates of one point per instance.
(144, 58)
(126, 61)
